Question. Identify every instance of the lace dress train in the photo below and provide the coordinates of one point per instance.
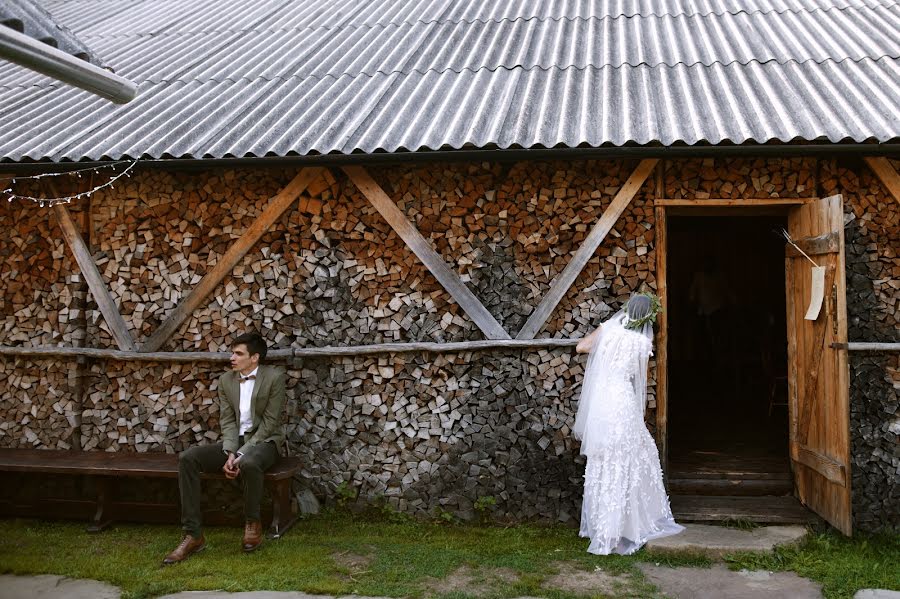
(625, 504)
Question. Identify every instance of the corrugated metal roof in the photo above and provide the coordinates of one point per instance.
(226, 78)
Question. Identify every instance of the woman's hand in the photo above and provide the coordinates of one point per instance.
(587, 343)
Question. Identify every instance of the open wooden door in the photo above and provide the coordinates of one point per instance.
(818, 375)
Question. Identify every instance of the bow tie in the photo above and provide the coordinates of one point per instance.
(249, 377)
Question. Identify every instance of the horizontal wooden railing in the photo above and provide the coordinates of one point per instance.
(289, 354)
(867, 346)
(333, 351)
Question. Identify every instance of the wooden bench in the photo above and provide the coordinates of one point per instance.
(105, 467)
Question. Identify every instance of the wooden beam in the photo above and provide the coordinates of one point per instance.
(130, 356)
(736, 203)
(886, 173)
(662, 341)
(422, 248)
(830, 469)
(793, 352)
(287, 354)
(276, 207)
(95, 282)
(867, 346)
(437, 348)
(562, 283)
(830, 243)
(660, 180)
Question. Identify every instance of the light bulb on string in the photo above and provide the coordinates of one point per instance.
(85, 194)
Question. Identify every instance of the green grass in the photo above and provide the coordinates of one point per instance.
(842, 565)
(340, 554)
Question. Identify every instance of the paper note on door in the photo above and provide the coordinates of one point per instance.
(817, 293)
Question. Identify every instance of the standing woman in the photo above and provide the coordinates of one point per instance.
(625, 503)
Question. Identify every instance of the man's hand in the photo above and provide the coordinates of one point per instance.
(231, 468)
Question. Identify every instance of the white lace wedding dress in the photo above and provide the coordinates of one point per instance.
(625, 503)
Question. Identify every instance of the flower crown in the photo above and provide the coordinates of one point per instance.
(655, 308)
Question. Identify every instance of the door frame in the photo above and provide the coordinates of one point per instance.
(663, 208)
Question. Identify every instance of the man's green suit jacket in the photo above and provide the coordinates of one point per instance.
(266, 405)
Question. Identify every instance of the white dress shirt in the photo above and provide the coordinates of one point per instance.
(246, 416)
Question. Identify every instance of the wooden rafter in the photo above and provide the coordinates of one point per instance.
(561, 285)
(95, 282)
(421, 247)
(276, 207)
(886, 173)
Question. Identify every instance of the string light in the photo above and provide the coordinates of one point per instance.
(77, 196)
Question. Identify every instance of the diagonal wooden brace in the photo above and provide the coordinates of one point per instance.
(886, 173)
(99, 290)
(420, 246)
(276, 207)
(562, 283)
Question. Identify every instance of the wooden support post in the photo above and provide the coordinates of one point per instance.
(886, 173)
(95, 282)
(660, 182)
(283, 517)
(276, 207)
(103, 514)
(662, 341)
(562, 283)
(82, 368)
(420, 246)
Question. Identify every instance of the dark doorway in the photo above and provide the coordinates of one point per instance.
(727, 357)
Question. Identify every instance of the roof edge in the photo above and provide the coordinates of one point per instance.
(889, 149)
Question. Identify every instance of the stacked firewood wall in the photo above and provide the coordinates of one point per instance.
(740, 178)
(442, 431)
(331, 272)
(40, 305)
(40, 279)
(423, 430)
(872, 252)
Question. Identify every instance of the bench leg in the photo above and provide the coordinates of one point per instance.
(283, 516)
(102, 517)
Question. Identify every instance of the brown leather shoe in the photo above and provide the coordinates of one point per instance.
(187, 546)
(253, 536)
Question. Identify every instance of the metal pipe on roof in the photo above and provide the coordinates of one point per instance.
(35, 55)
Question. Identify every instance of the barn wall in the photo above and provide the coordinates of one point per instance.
(872, 238)
(426, 431)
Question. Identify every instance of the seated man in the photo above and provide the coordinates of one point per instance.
(251, 399)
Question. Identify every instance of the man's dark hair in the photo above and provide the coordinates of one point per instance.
(254, 342)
